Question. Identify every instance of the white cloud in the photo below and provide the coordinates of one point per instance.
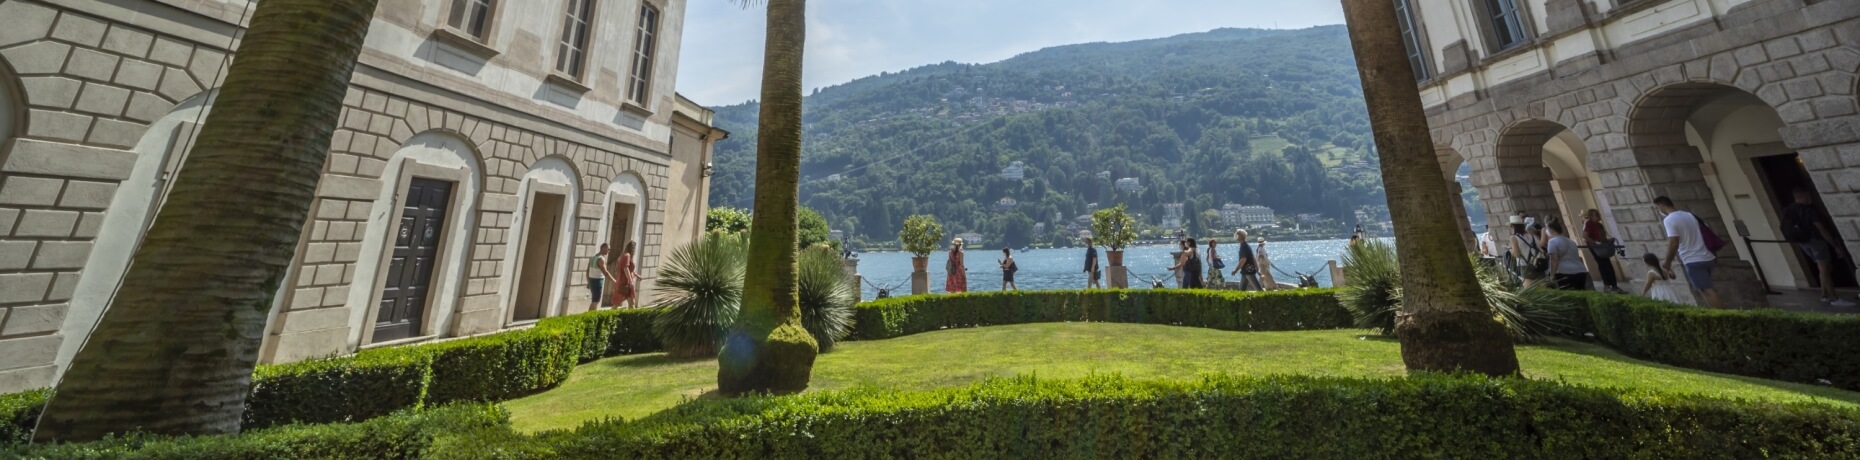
(847, 39)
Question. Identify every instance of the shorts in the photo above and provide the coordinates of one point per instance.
(1699, 274)
(1572, 281)
(1817, 250)
(594, 286)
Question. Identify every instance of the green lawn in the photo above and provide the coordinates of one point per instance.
(636, 386)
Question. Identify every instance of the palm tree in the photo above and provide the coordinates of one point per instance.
(1445, 324)
(768, 350)
(175, 351)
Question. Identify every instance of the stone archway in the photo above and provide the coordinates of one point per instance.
(1523, 182)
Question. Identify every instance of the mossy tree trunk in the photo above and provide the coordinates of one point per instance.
(767, 350)
(174, 353)
(1445, 324)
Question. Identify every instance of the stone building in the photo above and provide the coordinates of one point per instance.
(492, 143)
(1725, 106)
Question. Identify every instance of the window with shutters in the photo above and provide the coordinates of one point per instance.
(473, 17)
(571, 56)
(1505, 23)
(645, 44)
(1411, 38)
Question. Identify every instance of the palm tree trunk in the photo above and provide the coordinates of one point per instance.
(767, 350)
(174, 353)
(1445, 324)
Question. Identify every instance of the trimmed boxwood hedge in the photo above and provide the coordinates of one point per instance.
(1424, 416)
(1224, 310)
(1798, 347)
(404, 435)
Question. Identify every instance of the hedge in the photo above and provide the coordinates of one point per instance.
(19, 412)
(1224, 310)
(1798, 347)
(404, 435)
(1423, 416)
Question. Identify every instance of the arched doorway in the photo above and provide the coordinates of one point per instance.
(1728, 164)
(624, 222)
(412, 267)
(545, 229)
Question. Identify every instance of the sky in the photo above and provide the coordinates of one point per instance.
(721, 59)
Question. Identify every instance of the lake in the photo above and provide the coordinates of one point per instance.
(1042, 269)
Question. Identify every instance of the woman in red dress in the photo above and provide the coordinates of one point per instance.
(628, 279)
(958, 280)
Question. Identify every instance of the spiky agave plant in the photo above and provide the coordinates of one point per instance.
(703, 287)
(1529, 313)
(1372, 292)
(826, 295)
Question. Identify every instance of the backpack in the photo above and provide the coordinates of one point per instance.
(1712, 242)
(1798, 224)
(1533, 255)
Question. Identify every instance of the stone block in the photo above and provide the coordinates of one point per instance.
(171, 52)
(359, 210)
(93, 65)
(348, 252)
(139, 75)
(63, 287)
(51, 91)
(27, 378)
(25, 22)
(38, 57)
(314, 320)
(46, 223)
(309, 345)
(305, 298)
(61, 255)
(30, 191)
(125, 41)
(8, 217)
(326, 275)
(1830, 107)
(176, 85)
(16, 255)
(116, 133)
(146, 107)
(335, 296)
(38, 319)
(349, 188)
(331, 209)
(318, 253)
(205, 64)
(24, 287)
(306, 276)
(102, 100)
(88, 225)
(63, 126)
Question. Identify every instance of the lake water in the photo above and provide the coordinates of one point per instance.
(1064, 268)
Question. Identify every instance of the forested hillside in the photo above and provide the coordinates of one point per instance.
(1255, 117)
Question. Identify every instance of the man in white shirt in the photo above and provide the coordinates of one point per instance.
(1488, 247)
(1686, 242)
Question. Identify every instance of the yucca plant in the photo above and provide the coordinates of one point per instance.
(826, 295)
(1527, 312)
(1372, 293)
(703, 287)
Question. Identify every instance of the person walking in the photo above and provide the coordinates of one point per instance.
(627, 282)
(1189, 262)
(957, 280)
(1528, 249)
(597, 273)
(1659, 285)
(1215, 264)
(1488, 247)
(1801, 224)
(1602, 247)
(1265, 266)
(1685, 242)
(1247, 266)
(1091, 265)
(1565, 261)
(1008, 267)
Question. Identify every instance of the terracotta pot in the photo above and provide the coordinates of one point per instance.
(1116, 257)
(919, 263)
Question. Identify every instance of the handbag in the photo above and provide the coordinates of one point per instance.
(1712, 242)
(1218, 263)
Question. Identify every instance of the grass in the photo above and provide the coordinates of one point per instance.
(637, 386)
(1272, 143)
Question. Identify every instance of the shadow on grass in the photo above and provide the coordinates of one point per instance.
(1598, 350)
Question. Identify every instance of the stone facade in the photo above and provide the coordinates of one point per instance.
(1653, 98)
(98, 104)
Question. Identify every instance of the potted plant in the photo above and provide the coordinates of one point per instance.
(920, 237)
(1115, 229)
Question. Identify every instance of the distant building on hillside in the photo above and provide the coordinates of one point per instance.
(1129, 184)
(1016, 171)
(1106, 175)
(1239, 215)
(1172, 216)
(1006, 203)
(1039, 228)
(970, 239)
(1311, 218)
(834, 178)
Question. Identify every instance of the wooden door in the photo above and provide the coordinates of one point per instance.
(410, 272)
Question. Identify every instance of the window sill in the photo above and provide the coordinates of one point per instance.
(395, 343)
(566, 82)
(465, 42)
(1508, 53)
(636, 109)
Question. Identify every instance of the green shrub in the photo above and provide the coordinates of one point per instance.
(921, 235)
(505, 365)
(1372, 292)
(359, 387)
(1797, 347)
(703, 287)
(1426, 416)
(632, 332)
(19, 413)
(1225, 310)
(826, 295)
(404, 435)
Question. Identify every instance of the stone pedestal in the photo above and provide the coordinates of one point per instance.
(1117, 277)
(852, 271)
(920, 283)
